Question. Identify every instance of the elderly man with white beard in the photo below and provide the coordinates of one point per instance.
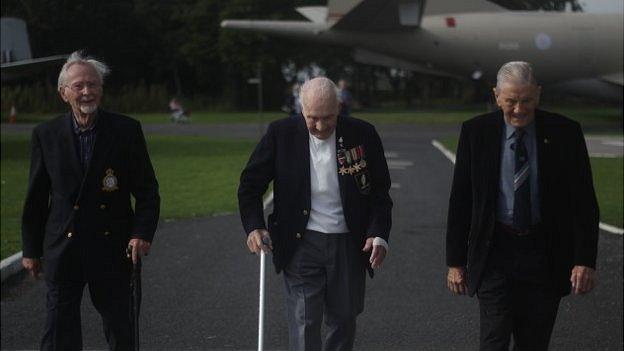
(78, 219)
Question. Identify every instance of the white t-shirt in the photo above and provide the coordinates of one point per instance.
(326, 214)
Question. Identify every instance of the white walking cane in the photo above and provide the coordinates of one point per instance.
(261, 304)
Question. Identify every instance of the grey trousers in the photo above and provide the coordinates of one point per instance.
(326, 276)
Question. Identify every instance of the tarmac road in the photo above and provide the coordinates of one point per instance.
(200, 284)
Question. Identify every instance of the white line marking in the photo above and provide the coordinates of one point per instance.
(603, 155)
(613, 143)
(611, 229)
(451, 156)
(400, 163)
(11, 265)
(391, 154)
(395, 186)
(446, 152)
(268, 200)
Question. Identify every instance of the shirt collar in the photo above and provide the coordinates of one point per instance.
(511, 130)
(78, 130)
(331, 139)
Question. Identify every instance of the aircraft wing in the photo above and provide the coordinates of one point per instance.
(284, 28)
(615, 78)
(27, 67)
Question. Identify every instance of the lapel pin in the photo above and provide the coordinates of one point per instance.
(110, 182)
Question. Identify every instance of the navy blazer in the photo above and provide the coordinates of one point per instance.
(568, 206)
(283, 156)
(95, 207)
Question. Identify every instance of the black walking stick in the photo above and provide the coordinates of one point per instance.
(135, 298)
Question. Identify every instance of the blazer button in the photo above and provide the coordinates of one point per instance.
(76, 207)
(298, 235)
(102, 207)
(305, 212)
(69, 235)
(107, 233)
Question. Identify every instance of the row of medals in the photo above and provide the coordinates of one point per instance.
(351, 161)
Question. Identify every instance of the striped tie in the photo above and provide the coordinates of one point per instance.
(522, 191)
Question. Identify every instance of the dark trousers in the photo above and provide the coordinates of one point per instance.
(326, 276)
(111, 298)
(516, 296)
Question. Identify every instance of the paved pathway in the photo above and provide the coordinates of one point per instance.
(200, 285)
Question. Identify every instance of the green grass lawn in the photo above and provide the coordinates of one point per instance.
(594, 116)
(608, 183)
(197, 176)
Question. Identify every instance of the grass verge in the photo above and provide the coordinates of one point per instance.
(608, 183)
(198, 176)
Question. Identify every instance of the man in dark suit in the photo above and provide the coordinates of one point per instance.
(331, 214)
(78, 218)
(523, 217)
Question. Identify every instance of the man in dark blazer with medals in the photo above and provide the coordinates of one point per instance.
(523, 217)
(331, 214)
(78, 219)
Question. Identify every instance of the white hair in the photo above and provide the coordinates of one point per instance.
(319, 89)
(517, 72)
(78, 57)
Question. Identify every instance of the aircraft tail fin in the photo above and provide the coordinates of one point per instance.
(316, 14)
(15, 44)
(376, 15)
(396, 15)
(440, 7)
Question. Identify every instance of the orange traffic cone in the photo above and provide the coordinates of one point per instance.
(13, 115)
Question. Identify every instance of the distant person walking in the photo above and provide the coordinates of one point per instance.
(78, 219)
(331, 214)
(178, 113)
(523, 217)
(346, 99)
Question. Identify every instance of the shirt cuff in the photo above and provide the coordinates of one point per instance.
(379, 241)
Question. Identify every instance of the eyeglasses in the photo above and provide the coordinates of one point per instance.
(78, 87)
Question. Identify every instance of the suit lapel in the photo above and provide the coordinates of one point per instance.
(302, 146)
(103, 142)
(542, 140)
(68, 146)
(493, 148)
(342, 179)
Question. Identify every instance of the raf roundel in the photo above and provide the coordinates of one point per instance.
(543, 41)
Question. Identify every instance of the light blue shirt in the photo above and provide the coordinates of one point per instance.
(505, 204)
